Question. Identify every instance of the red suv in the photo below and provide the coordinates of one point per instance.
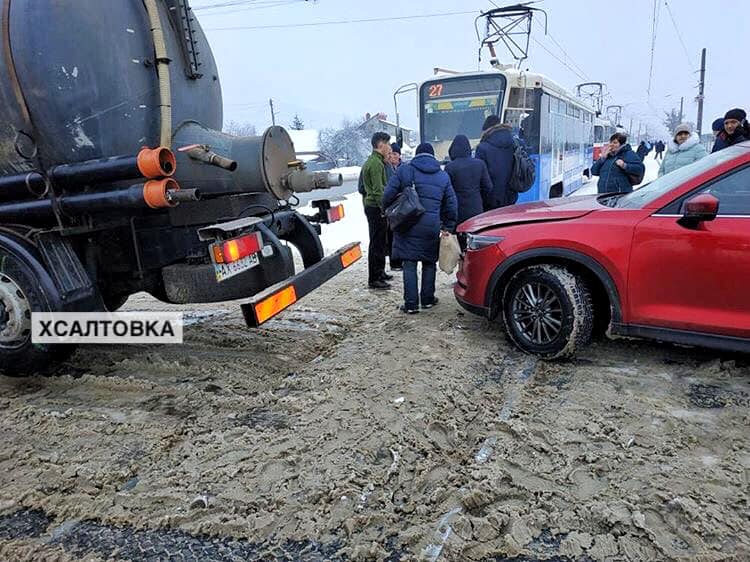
(670, 261)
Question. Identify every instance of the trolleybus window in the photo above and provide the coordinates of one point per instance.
(458, 105)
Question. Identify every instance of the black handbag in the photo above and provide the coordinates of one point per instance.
(405, 211)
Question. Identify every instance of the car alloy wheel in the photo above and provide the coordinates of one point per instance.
(537, 313)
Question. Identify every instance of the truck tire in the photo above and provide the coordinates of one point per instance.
(20, 295)
(548, 311)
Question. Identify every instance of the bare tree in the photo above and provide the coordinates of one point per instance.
(347, 144)
(240, 129)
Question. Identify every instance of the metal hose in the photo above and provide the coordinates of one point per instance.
(162, 69)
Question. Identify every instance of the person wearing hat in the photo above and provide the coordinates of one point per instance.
(496, 149)
(421, 241)
(717, 126)
(684, 148)
(391, 165)
(734, 131)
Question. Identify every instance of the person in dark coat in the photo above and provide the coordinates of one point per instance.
(617, 161)
(642, 150)
(659, 148)
(469, 177)
(735, 130)
(496, 151)
(421, 242)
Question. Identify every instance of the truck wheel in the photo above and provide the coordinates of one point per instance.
(114, 302)
(547, 311)
(19, 296)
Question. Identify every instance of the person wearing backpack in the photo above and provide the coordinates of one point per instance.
(496, 149)
(420, 240)
(619, 168)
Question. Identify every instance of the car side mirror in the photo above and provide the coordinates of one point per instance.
(698, 209)
(400, 137)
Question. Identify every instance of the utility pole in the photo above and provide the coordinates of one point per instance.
(701, 89)
(682, 102)
(273, 115)
(630, 127)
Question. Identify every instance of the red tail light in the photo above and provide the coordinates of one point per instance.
(237, 248)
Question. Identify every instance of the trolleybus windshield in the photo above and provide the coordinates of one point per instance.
(458, 105)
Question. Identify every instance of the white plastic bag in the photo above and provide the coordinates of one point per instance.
(449, 253)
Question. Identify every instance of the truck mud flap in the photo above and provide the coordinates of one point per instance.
(270, 302)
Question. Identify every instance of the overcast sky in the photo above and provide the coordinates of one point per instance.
(327, 72)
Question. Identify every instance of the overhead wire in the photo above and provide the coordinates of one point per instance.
(654, 32)
(679, 35)
(343, 22)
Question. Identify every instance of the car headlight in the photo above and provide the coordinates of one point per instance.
(479, 241)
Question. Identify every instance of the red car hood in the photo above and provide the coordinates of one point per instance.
(562, 208)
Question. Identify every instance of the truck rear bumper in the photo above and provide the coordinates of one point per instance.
(273, 300)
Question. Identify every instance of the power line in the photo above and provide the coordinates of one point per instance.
(654, 30)
(679, 35)
(558, 59)
(342, 22)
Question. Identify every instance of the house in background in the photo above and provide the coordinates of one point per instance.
(379, 123)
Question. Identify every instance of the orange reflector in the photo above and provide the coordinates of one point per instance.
(271, 306)
(350, 256)
(336, 213)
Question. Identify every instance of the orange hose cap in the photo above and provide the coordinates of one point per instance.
(155, 192)
(156, 162)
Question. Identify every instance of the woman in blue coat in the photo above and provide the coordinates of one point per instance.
(421, 242)
(469, 177)
(617, 161)
(496, 150)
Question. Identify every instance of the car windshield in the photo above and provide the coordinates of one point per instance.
(655, 189)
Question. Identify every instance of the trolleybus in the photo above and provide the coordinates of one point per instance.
(555, 126)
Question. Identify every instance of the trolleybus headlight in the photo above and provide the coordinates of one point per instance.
(479, 241)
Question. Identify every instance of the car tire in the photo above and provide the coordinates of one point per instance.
(548, 311)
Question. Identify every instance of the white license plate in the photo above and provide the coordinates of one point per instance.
(226, 270)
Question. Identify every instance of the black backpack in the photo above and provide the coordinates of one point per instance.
(524, 171)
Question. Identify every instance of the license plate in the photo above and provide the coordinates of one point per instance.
(226, 270)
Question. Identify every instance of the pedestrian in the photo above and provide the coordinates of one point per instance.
(421, 241)
(717, 127)
(659, 149)
(642, 150)
(617, 162)
(373, 182)
(735, 130)
(394, 161)
(469, 177)
(684, 148)
(496, 149)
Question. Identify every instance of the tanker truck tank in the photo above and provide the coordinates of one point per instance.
(83, 225)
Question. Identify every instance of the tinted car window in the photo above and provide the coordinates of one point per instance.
(733, 193)
(663, 185)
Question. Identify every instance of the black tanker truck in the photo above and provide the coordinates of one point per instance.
(115, 176)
